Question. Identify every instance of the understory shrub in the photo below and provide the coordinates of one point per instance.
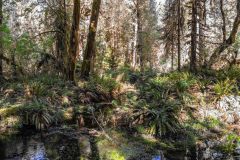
(36, 113)
(160, 118)
(225, 87)
(105, 84)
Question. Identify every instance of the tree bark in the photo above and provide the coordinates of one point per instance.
(172, 52)
(193, 57)
(202, 25)
(74, 41)
(89, 53)
(224, 32)
(1, 46)
(61, 34)
(139, 34)
(229, 41)
(134, 58)
(179, 35)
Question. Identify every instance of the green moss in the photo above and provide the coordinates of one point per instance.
(10, 110)
(115, 155)
(232, 140)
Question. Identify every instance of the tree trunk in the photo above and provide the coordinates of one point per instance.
(224, 21)
(139, 35)
(193, 57)
(89, 53)
(202, 24)
(172, 52)
(1, 46)
(14, 67)
(74, 41)
(179, 35)
(127, 55)
(134, 58)
(61, 35)
(228, 42)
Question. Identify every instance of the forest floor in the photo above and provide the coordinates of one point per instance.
(181, 112)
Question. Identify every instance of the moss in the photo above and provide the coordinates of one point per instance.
(231, 142)
(115, 155)
(68, 114)
(10, 110)
(125, 146)
(13, 122)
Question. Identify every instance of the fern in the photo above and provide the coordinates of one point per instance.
(226, 87)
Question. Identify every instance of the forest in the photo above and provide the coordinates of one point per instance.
(119, 79)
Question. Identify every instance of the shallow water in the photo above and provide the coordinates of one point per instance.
(35, 147)
(51, 147)
(59, 146)
(22, 147)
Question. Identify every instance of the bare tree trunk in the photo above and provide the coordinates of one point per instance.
(193, 58)
(228, 42)
(74, 41)
(179, 35)
(134, 58)
(89, 53)
(172, 52)
(1, 47)
(127, 54)
(139, 35)
(202, 24)
(224, 21)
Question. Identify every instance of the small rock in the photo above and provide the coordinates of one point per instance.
(207, 154)
(217, 155)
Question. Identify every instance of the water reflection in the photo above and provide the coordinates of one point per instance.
(69, 147)
(52, 146)
(21, 147)
(36, 148)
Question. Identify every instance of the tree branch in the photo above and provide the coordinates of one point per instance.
(228, 42)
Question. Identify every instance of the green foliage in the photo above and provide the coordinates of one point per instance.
(206, 124)
(41, 119)
(37, 89)
(115, 155)
(47, 42)
(183, 80)
(24, 45)
(44, 84)
(105, 84)
(49, 80)
(233, 73)
(37, 114)
(232, 140)
(168, 85)
(8, 111)
(211, 122)
(203, 84)
(155, 88)
(126, 73)
(159, 108)
(160, 119)
(6, 38)
(225, 87)
(57, 116)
